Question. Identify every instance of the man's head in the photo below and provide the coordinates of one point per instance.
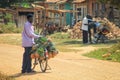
(89, 17)
(30, 18)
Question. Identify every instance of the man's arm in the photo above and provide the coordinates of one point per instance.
(29, 32)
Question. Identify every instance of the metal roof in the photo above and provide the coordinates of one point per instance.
(78, 1)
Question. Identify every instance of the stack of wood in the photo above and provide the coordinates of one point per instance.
(76, 33)
(114, 30)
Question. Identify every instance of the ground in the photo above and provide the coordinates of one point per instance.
(65, 66)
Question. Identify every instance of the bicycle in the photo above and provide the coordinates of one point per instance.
(43, 62)
(101, 36)
(41, 53)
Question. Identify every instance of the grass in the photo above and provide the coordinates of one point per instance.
(5, 77)
(61, 40)
(14, 39)
(64, 43)
(9, 28)
(97, 53)
(114, 52)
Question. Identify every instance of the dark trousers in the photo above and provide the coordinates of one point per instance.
(89, 35)
(94, 29)
(26, 64)
(85, 36)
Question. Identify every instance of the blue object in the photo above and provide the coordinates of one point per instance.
(97, 24)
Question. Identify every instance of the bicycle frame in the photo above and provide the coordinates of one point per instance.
(42, 61)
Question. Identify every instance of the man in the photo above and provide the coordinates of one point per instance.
(89, 28)
(28, 36)
(85, 30)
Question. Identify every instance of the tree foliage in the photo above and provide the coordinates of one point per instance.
(7, 3)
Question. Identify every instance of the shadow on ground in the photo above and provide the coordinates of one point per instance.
(72, 42)
(108, 42)
(26, 74)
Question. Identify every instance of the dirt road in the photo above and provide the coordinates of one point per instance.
(65, 66)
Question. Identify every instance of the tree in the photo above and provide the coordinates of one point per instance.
(7, 3)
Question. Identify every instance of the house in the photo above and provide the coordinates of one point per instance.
(107, 10)
(84, 7)
(81, 7)
(77, 10)
(56, 12)
(78, 7)
(95, 8)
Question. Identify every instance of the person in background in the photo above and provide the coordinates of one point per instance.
(111, 14)
(85, 30)
(28, 36)
(89, 28)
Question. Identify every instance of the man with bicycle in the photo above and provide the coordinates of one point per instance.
(28, 36)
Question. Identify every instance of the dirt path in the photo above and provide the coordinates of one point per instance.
(66, 66)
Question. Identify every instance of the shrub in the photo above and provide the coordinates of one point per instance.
(10, 28)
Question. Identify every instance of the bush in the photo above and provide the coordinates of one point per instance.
(10, 28)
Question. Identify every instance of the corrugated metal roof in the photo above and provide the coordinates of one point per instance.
(63, 1)
(61, 11)
(60, 1)
(78, 1)
(52, 1)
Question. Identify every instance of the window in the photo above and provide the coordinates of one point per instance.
(95, 9)
(79, 11)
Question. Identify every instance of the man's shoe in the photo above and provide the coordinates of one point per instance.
(23, 72)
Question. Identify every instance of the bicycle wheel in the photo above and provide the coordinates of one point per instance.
(102, 38)
(43, 64)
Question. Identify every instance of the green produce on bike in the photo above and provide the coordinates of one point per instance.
(42, 44)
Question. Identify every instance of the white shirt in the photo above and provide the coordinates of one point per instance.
(85, 21)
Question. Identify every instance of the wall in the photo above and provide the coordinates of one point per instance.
(21, 20)
(82, 8)
(68, 6)
(90, 6)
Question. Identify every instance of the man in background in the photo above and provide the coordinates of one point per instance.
(85, 30)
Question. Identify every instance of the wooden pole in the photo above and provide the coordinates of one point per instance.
(64, 19)
(61, 19)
